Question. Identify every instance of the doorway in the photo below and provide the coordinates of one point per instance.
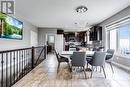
(50, 43)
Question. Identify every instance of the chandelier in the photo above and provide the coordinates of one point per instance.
(81, 9)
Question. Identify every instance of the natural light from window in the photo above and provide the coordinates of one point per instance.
(124, 40)
(113, 39)
(51, 38)
(119, 39)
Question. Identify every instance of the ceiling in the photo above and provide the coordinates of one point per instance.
(62, 14)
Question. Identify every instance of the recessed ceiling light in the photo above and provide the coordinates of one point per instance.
(75, 23)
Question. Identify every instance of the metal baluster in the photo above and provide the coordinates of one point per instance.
(29, 60)
(14, 68)
(45, 51)
(6, 69)
(32, 58)
(17, 65)
(26, 62)
(10, 68)
(22, 63)
(2, 76)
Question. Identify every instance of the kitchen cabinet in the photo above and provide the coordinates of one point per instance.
(95, 33)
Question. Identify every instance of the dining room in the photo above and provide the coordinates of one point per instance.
(64, 43)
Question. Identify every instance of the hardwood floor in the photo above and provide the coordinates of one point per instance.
(45, 75)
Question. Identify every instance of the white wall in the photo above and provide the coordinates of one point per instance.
(121, 14)
(42, 38)
(42, 34)
(59, 43)
(34, 38)
(26, 42)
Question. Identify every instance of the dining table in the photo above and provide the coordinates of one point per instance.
(67, 54)
(88, 53)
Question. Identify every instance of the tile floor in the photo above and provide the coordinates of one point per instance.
(45, 75)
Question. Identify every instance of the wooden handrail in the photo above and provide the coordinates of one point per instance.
(5, 51)
(38, 46)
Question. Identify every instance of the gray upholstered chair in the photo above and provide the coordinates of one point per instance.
(61, 59)
(98, 60)
(79, 60)
(109, 57)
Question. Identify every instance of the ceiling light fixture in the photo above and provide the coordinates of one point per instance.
(81, 9)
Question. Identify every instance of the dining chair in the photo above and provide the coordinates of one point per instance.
(98, 60)
(109, 57)
(61, 59)
(79, 60)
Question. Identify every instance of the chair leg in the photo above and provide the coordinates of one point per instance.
(104, 71)
(92, 71)
(100, 69)
(71, 72)
(69, 67)
(111, 67)
(58, 67)
(96, 68)
(84, 72)
(87, 65)
(104, 65)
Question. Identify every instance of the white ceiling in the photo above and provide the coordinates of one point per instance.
(62, 14)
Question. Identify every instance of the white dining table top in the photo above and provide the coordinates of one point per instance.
(71, 52)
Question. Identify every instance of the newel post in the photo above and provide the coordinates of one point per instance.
(33, 56)
(45, 51)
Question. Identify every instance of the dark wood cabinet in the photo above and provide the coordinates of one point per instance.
(78, 36)
(69, 35)
(59, 31)
(81, 36)
(95, 33)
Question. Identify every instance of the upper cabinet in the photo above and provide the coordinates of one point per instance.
(75, 36)
(69, 36)
(95, 33)
(81, 36)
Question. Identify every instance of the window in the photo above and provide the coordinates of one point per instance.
(118, 38)
(124, 40)
(51, 38)
(113, 39)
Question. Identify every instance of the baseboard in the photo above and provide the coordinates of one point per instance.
(121, 66)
